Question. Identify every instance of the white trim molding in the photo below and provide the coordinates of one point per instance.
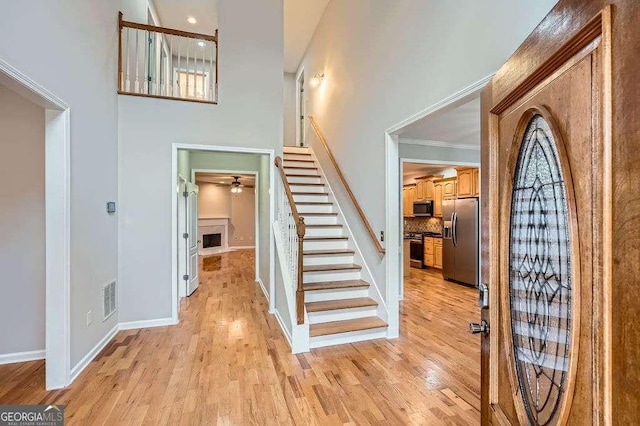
(264, 289)
(22, 357)
(90, 356)
(57, 221)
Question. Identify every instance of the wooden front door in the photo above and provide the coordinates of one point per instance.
(543, 141)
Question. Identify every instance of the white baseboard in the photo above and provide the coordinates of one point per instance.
(264, 289)
(22, 357)
(133, 325)
(86, 360)
(284, 329)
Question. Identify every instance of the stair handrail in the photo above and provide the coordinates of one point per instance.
(367, 225)
(289, 218)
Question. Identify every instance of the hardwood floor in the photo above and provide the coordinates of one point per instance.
(227, 362)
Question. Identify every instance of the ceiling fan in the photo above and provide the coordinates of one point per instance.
(236, 186)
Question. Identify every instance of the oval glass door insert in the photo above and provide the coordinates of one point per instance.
(540, 274)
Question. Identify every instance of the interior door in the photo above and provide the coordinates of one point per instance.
(542, 137)
(191, 200)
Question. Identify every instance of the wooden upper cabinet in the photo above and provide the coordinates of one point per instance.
(448, 188)
(408, 197)
(465, 183)
(476, 182)
(429, 190)
(437, 200)
(420, 189)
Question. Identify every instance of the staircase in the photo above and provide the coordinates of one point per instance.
(338, 301)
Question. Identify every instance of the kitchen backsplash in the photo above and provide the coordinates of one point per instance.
(423, 224)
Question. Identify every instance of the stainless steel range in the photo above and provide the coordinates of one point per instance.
(416, 258)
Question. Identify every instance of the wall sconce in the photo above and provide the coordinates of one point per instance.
(317, 80)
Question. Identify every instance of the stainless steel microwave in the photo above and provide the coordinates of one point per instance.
(423, 208)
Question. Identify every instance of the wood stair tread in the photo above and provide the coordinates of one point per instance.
(329, 268)
(325, 238)
(332, 305)
(337, 327)
(298, 159)
(332, 225)
(319, 214)
(301, 176)
(314, 203)
(321, 194)
(300, 168)
(328, 252)
(305, 184)
(334, 285)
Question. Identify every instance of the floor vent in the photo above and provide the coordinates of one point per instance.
(108, 300)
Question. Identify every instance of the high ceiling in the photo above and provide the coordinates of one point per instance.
(174, 14)
(459, 126)
(301, 18)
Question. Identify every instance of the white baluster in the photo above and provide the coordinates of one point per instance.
(179, 91)
(187, 94)
(137, 84)
(127, 84)
(204, 74)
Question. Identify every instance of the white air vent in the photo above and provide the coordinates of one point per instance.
(108, 300)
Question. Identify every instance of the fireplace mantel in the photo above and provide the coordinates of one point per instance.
(213, 225)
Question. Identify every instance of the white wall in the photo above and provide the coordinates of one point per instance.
(289, 109)
(22, 228)
(69, 48)
(249, 113)
(385, 61)
(214, 201)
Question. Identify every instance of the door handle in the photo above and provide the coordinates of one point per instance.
(475, 328)
(454, 228)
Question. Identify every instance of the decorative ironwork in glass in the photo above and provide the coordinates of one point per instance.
(540, 274)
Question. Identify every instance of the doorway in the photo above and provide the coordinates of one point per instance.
(57, 223)
(300, 109)
(216, 182)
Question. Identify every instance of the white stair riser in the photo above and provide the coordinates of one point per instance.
(295, 149)
(324, 232)
(323, 277)
(341, 259)
(305, 171)
(315, 208)
(307, 188)
(325, 245)
(321, 220)
(342, 314)
(342, 338)
(293, 157)
(319, 198)
(303, 179)
(294, 163)
(335, 294)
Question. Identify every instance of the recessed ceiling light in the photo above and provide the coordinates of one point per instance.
(202, 44)
(192, 20)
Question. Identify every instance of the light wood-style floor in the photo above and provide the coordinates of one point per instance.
(227, 362)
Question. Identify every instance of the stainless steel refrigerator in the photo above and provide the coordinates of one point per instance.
(460, 240)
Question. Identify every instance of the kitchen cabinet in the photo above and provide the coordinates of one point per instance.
(420, 189)
(437, 253)
(476, 182)
(449, 188)
(437, 200)
(433, 252)
(408, 197)
(429, 189)
(464, 183)
(429, 251)
(406, 253)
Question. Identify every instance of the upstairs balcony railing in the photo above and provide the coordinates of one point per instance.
(164, 63)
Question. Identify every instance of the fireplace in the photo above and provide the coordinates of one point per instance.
(213, 235)
(211, 240)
